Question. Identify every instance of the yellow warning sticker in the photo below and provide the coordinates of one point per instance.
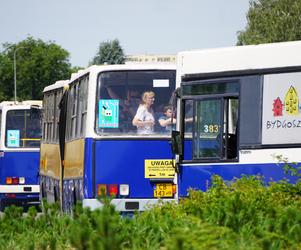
(159, 168)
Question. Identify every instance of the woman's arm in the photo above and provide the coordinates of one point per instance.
(138, 123)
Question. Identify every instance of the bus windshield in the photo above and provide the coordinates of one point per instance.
(120, 95)
(23, 128)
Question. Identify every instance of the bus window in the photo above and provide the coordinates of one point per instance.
(215, 133)
(230, 128)
(207, 138)
(188, 118)
(23, 128)
(120, 94)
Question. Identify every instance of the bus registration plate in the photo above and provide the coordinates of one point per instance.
(163, 190)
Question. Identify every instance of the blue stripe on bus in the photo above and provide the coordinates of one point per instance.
(88, 174)
(20, 164)
(199, 177)
(122, 162)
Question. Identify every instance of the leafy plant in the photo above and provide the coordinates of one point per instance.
(290, 168)
(242, 214)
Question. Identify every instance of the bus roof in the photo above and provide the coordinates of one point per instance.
(240, 58)
(56, 85)
(121, 67)
(101, 68)
(27, 102)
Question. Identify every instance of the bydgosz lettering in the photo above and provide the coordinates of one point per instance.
(276, 124)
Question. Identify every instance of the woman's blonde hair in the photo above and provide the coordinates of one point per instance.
(147, 94)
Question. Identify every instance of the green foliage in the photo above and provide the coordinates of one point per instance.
(289, 168)
(241, 214)
(169, 227)
(272, 21)
(38, 64)
(109, 52)
(33, 230)
(263, 217)
(96, 230)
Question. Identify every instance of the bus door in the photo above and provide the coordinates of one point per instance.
(210, 135)
(62, 133)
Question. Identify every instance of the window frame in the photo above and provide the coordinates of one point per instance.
(209, 96)
(24, 145)
(133, 134)
(78, 104)
(197, 128)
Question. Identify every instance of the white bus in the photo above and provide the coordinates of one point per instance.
(239, 113)
(20, 135)
(90, 144)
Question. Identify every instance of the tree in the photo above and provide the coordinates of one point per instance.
(272, 21)
(38, 64)
(109, 52)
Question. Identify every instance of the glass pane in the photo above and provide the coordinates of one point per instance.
(79, 109)
(210, 88)
(207, 134)
(83, 122)
(188, 119)
(57, 115)
(45, 131)
(230, 128)
(23, 128)
(49, 131)
(120, 95)
(74, 99)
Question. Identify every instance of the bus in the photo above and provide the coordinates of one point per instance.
(20, 135)
(239, 113)
(90, 147)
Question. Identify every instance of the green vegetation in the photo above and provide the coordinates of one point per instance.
(272, 21)
(109, 52)
(38, 64)
(243, 214)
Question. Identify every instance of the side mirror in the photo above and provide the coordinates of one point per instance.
(176, 143)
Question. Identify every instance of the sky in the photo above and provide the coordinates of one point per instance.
(141, 26)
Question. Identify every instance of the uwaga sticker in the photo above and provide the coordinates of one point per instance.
(160, 168)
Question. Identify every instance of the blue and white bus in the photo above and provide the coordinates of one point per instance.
(239, 113)
(20, 134)
(90, 145)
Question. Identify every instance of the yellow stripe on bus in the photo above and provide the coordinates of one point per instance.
(74, 158)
